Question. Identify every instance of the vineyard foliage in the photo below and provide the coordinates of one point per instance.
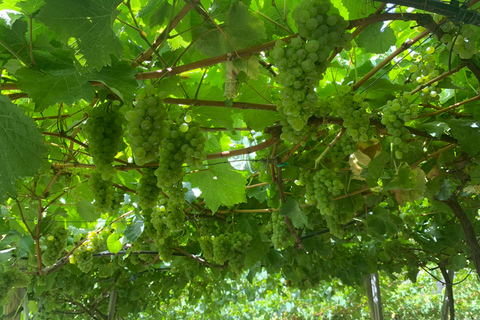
(151, 150)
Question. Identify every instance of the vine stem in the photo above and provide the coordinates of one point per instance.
(216, 103)
(198, 259)
(453, 106)
(403, 47)
(440, 77)
(147, 54)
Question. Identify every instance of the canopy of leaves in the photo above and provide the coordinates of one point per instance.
(156, 152)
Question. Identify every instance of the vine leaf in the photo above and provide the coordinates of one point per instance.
(358, 10)
(242, 28)
(119, 78)
(55, 86)
(291, 209)
(467, 133)
(29, 7)
(374, 39)
(220, 185)
(90, 23)
(134, 230)
(113, 243)
(155, 12)
(21, 147)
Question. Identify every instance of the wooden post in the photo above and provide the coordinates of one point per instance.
(372, 286)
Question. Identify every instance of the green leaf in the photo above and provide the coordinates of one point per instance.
(134, 230)
(119, 78)
(86, 210)
(213, 116)
(220, 185)
(291, 209)
(358, 9)
(242, 28)
(155, 12)
(30, 6)
(21, 147)
(90, 23)
(445, 190)
(259, 119)
(374, 40)
(55, 86)
(457, 262)
(113, 243)
(14, 37)
(377, 165)
(434, 128)
(467, 133)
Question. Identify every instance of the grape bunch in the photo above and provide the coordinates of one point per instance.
(231, 247)
(105, 138)
(148, 191)
(303, 62)
(395, 114)
(170, 212)
(281, 237)
(343, 148)
(353, 110)
(206, 245)
(9, 279)
(465, 43)
(102, 191)
(321, 188)
(118, 199)
(56, 241)
(83, 255)
(146, 125)
(422, 71)
(184, 144)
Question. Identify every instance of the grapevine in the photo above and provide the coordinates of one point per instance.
(83, 256)
(105, 135)
(303, 62)
(102, 191)
(395, 114)
(146, 125)
(281, 237)
(56, 242)
(148, 191)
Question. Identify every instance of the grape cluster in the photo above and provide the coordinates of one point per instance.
(206, 245)
(395, 114)
(118, 199)
(56, 241)
(465, 43)
(343, 148)
(184, 143)
(102, 191)
(281, 237)
(422, 71)
(83, 255)
(148, 191)
(105, 138)
(353, 110)
(303, 62)
(9, 279)
(231, 247)
(170, 212)
(320, 188)
(146, 125)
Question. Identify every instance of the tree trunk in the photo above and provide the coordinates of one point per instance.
(111, 304)
(448, 307)
(372, 286)
(13, 310)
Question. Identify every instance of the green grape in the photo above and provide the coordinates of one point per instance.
(118, 198)
(9, 279)
(83, 255)
(343, 148)
(148, 191)
(102, 191)
(184, 127)
(395, 114)
(56, 242)
(206, 244)
(302, 63)
(231, 247)
(105, 138)
(146, 125)
(281, 237)
(351, 108)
